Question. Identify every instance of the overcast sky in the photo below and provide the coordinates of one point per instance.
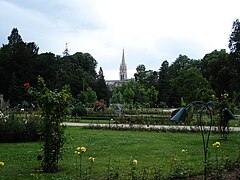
(150, 31)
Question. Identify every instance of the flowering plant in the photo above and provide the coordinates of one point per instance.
(216, 145)
(80, 151)
(92, 159)
(134, 162)
(25, 85)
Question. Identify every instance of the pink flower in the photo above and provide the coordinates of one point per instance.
(26, 85)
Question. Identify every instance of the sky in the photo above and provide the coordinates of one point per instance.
(149, 31)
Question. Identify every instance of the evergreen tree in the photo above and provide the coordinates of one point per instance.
(234, 46)
(14, 38)
(163, 89)
(101, 87)
(234, 40)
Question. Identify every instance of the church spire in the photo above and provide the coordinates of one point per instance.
(123, 69)
(123, 58)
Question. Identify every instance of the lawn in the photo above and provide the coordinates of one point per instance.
(114, 151)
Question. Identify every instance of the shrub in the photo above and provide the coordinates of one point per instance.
(19, 127)
(79, 111)
(54, 106)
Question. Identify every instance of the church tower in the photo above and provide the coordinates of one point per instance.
(123, 69)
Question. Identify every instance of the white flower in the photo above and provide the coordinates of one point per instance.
(1, 114)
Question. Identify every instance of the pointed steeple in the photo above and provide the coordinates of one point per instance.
(123, 69)
(123, 58)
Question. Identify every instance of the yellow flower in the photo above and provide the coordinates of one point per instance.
(78, 149)
(134, 162)
(83, 149)
(91, 159)
(78, 152)
(1, 164)
(216, 144)
(183, 151)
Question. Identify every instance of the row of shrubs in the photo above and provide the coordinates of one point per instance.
(192, 129)
(19, 127)
(81, 111)
(133, 116)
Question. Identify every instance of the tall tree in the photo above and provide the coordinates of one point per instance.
(163, 88)
(102, 90)
(141, 74)
(17, 58)
(234, 46)
(45, 66)
(189, 85)
(14, 38)
(234, 40)
(77, 70)
(182, 62)
(217, 68)
(145, 77)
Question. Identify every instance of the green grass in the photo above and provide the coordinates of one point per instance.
(234, 123)
(151, 149)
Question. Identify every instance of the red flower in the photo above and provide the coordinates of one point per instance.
(26, 85)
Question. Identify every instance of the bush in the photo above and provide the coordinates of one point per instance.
(19, 127)
(54, 106)
(79, 111)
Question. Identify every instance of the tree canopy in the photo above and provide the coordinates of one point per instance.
(217, 73)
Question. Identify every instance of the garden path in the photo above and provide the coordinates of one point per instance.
(144, 126)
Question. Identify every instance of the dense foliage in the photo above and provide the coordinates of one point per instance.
(187, 79)
(20, 63)
(19, 126)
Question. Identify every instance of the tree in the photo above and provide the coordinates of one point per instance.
(5, 71)
(14, 38)
(141, 74)
(152, 94)
(182, 62)
(128, 95)
(66, 51)
(101, 87)
(117, 97)
(135, 94)
(189, 85)
(234, 40)
(234, 46)
(217, 68)
(163, 84)
(145, 77)
(152, 79)
(45, 66)
(78, 71)
(16, 58)
(88, 97)
(15, 92)
(86, 62)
